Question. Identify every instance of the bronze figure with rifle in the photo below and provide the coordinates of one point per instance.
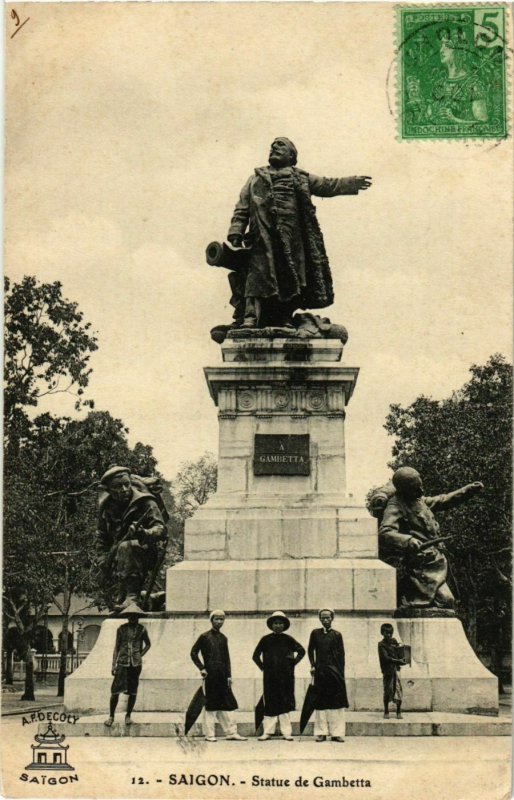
(131, 538)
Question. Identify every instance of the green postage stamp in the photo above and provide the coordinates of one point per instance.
(452, 81)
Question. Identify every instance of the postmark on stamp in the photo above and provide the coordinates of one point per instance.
(452, 74)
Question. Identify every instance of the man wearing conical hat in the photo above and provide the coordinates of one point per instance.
(130, 532)
(288, 267)
(132, 643)
(276, 655)
(215, 669)
(326, 654)
(407, 528)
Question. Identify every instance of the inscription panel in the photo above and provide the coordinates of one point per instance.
(281, 454)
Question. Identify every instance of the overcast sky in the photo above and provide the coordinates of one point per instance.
(131, 129)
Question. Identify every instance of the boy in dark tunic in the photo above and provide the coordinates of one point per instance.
(132, 643)
(276, 655)
(216, 672)
(390, 663)
(326, 654)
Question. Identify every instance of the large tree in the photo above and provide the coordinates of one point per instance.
(75, 454)
(50, 514)
(47, 347)
(451, 442)
(52, 464)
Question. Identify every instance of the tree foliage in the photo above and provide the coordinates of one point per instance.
(47, 346)
(51, 464)
(452, 442)
(194, 484)
(51, 511)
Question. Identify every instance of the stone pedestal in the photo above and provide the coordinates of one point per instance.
(282, 388)
(292, 540)
(445, 674)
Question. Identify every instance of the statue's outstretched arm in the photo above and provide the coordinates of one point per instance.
(331, 187)
(453, 499)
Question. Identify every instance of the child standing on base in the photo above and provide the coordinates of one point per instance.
(276, 655)
(390, 664)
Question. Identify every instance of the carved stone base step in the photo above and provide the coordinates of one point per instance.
(358, 723)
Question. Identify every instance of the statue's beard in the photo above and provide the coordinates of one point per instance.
(278, 161)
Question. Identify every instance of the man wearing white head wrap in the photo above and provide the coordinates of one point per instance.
(326, 654)
(216, 672)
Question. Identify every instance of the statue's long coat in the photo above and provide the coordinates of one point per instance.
(275, 257)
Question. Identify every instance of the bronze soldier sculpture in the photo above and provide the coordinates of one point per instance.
(131, 533)
(409, 529)
(287, 265)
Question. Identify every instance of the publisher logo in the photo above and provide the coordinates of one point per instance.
(49, 755)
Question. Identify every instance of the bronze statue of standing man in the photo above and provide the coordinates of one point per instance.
(288, 266)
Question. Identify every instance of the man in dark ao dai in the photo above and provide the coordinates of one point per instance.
(276, 655)
(215, 669)
(326, 654)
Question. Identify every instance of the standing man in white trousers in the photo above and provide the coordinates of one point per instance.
(326, 654)
(215, 669)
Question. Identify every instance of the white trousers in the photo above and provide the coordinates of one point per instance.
(225, 719)
(270, 723)
(330, 722)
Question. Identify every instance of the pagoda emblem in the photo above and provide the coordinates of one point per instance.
(50, 752)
